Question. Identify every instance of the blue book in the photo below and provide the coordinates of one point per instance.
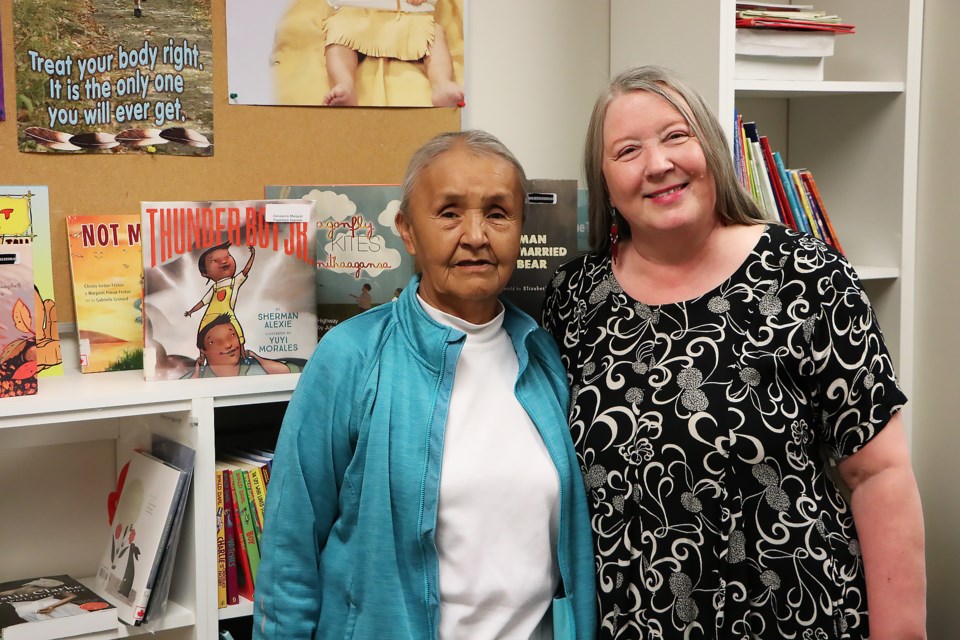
(799, 218)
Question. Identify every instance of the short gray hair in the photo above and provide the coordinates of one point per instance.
(474, 140)
(733, 203)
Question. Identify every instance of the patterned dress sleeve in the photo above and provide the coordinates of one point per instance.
(855, 390)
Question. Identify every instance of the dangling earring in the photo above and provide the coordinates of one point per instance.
(614, 237)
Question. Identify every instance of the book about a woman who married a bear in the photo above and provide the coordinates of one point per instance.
(228, 288)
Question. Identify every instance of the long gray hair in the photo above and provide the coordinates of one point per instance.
(474, 140)
(734, 205)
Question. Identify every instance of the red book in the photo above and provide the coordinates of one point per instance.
(244, 576)
(792, 24)
(783, 205)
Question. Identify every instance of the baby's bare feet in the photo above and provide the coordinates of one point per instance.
(447, 94)
(340, 96)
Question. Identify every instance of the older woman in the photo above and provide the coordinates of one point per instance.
(425, 484)
(714, 358)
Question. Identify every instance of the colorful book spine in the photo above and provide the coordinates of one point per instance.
(795, 209)
(805, 205)
(247, 523)
(229, 535)
(244, 575)
(811, 186)
(780, 196)
(221, 545)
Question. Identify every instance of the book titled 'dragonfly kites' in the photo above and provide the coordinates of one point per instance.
(228, 288)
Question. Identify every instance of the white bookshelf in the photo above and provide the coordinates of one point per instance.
(856, 130)
(60, 452)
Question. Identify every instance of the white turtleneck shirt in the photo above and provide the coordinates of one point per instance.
(499, 499)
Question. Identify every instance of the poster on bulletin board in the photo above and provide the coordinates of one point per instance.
(345, 53)
(114, 76)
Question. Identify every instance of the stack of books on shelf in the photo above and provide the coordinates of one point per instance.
(241, 482)
(783, 41)
(145, 515)
(786, 195)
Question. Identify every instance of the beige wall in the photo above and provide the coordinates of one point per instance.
(936, 402)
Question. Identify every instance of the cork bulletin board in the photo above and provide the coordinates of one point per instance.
(254, 146)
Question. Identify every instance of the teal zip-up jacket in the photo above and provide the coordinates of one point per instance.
(348, 547)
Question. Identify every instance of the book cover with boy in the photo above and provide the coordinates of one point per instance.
(361, 260)
(48, 607)
(25, 213)
(18, 345)
(228, 288)
(107, 275)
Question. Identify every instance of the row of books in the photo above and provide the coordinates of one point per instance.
(790, 196)
(145, 516)
(241, 483)
(268, 278)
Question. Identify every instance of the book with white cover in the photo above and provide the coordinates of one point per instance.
(140, 528)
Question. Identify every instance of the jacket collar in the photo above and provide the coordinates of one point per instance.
(429, 338)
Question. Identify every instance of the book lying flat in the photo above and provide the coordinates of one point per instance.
(50, 607)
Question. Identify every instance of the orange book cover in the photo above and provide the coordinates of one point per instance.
(107, 277)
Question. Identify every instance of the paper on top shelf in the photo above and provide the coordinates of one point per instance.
(782, 43)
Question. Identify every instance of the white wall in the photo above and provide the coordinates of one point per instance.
(936, 402)
(533, 71)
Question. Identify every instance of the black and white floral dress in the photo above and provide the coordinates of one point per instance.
(704, 429)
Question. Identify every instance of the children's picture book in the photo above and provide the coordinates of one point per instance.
(18, 350)
(107, 275)
(50, 607)
(182, 457)
(361, 260)
(139, 531)
(228, 288)
(25, 213)
(549, 239)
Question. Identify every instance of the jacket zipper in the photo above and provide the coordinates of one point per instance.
(561, 538)
(423, 493)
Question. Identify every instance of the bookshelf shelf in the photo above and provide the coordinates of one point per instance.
(788, 89)
(877, 273)
(245, 608)
(856, 130)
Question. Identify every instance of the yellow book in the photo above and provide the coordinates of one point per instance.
(221, 548)
(805, 204)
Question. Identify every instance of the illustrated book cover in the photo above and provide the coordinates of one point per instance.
(25, 213)
(549, 239)
(140, 528)
(361, 260)
(107, 275)
(18, 345)
(182, 457)
(228, 288)
(50, 607)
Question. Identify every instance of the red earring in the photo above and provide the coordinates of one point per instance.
(614, 238)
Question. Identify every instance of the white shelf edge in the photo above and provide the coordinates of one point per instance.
(245, 608)
(176, 616)
(866, 272)
(802, 89)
